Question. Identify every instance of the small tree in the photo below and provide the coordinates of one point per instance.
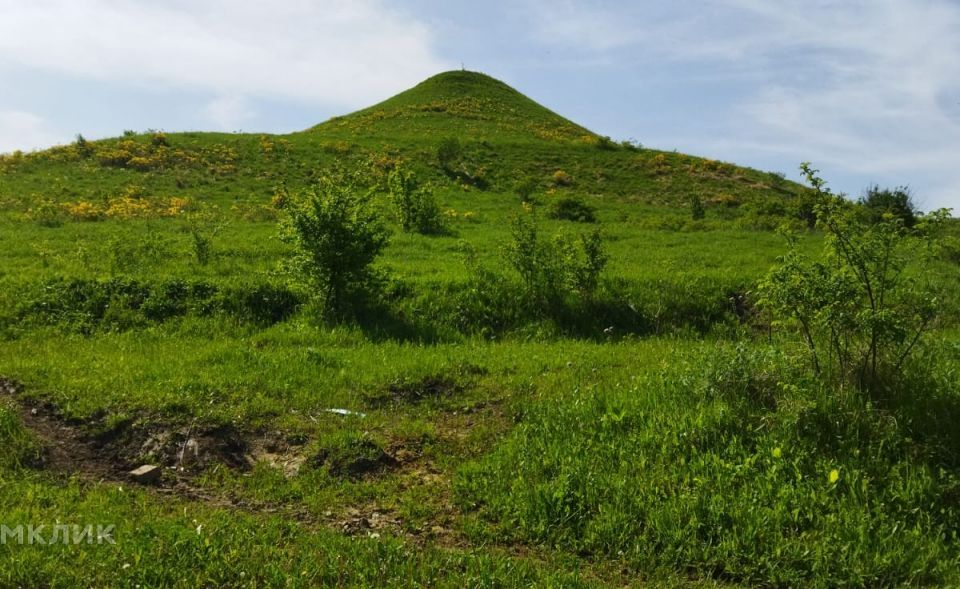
(552, 269)
(859, 315)
(336, 237)
(416, 207)
(587, 263)
(898, 202)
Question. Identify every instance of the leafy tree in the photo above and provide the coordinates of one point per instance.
(336, 237)
(898, 203)
(857, 311)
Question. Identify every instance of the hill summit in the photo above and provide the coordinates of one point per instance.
(463, 103)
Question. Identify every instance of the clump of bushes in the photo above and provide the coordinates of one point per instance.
(859, 314)
(416, 207)
(549, 270)
(697, 210)
(572, 208)
(88, 305)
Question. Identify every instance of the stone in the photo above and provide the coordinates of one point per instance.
(147, 474)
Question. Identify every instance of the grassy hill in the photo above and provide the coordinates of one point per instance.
(504, 135)
(657, 430)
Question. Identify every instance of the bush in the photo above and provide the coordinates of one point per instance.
(858, 314)
(878, 203)
(561, 178)
(697, 211)
(449, 152)
(549, 270)
(586, 263)
(571, 208)
(416, 207)
(336, 237)
(525, 187)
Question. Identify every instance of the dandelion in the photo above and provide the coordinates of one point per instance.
(834, 476)
(777, 452)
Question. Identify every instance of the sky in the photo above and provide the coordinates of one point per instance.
(866, 90)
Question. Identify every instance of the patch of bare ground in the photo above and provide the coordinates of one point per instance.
(102, 453)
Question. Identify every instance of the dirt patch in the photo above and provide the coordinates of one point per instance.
(355, 459)
(435, 387)
(279, 451)
(102, 450)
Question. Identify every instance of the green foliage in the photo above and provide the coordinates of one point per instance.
(572, 208)
(586, 262)
(549, 270)
(203, 228)
(336, 237)
(449, 152)
(729, 466)
(130, 250)
(46, 213)
(879, 203)
(118, 304)
(416, 206)
(859, 315)
(697, 211)
(605, 143)
(525, 187)
(20, 448)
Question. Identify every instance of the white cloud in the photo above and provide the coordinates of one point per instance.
(868, 86)
(25, 131)
(341, 52)
(229, 112)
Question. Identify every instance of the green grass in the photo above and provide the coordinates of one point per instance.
(657, 433)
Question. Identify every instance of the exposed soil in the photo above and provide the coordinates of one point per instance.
(101, 453)
(428, 388)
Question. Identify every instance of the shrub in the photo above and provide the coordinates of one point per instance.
(551, 269)
(449, 152)
(336, 237)
(898, 203)
(697, 211)
(587, 262)
(572, 208)
(525, 187)
(203, 229)
(416, 207)
(604, 143)
(46, 213)
(858, 314)
(561, 178)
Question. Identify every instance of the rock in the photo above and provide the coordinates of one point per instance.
(147, 474)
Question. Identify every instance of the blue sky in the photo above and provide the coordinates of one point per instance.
(868, 90)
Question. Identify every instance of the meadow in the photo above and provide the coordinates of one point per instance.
(459, 427)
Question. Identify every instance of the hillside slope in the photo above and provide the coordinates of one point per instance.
(503, 136)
